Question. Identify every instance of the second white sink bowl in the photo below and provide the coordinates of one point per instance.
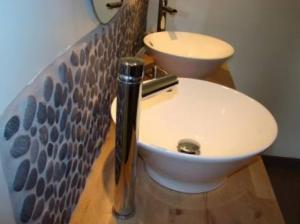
(230, 127)
(187, 54)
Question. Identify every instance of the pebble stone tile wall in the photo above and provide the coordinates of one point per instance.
(54, 129)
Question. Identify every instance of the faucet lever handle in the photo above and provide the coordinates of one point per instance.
(170, 10)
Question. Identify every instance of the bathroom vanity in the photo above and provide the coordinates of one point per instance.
(246, 196)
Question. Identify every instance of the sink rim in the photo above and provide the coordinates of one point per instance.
(227, 56)
(211, 158)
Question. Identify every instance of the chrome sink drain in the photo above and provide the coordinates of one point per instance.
(188, 146)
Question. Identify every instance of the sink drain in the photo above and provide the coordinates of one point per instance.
(188, 146)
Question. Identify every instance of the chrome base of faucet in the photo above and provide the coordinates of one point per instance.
(123, 216)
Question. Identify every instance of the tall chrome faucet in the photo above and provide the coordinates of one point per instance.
(128, 96)
(163, 9)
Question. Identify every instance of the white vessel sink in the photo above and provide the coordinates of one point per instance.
(229, 126)
(187, 54)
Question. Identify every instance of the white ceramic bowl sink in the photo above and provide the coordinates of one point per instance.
(188, 54)
(230, 127)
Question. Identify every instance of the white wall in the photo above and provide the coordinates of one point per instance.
(33, 33)
(266, 66)
(6, 212)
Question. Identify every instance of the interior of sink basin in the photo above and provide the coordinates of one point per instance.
(190, 45)
(223, 121)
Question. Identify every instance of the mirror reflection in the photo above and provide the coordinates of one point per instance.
(105, 10)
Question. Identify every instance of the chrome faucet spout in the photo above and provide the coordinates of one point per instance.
(128, 96)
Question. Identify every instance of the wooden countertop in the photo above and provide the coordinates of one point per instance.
(246, 197)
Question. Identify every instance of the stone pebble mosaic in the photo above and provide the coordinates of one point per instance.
(54, 129)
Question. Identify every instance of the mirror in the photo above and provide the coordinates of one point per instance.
(105, 10)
